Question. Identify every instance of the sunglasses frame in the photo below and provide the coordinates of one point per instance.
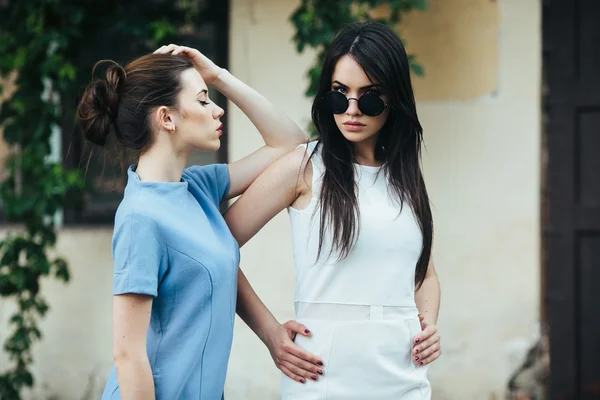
(334, 92)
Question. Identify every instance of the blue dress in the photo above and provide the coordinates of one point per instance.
(171, 242)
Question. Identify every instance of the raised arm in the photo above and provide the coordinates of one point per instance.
(275, 189)
(279, 132)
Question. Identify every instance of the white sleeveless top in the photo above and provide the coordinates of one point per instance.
(361, 310)
(380, 269)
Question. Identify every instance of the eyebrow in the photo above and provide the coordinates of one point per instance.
(205, 91)
(374, 85)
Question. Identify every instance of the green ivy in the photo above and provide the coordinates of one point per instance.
(43, 41)
(317, 21)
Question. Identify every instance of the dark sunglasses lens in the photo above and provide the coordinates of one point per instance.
(371, 104)
(335, 102)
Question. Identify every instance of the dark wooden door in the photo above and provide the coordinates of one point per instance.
(571, 43)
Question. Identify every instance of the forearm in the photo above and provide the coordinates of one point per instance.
(135, 378)
(427, 299)
(253, 311)
(276, 128)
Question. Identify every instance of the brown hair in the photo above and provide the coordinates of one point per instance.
(121, 102)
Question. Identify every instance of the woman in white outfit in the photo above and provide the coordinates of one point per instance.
(362, 234)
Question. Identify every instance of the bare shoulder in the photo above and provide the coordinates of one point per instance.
(299, 167)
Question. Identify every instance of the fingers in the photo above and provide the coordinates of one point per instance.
(291, 375)
(299, 372)
(304, 356)
(425, 334)
(166, 49)
(174, 50)
(304, 365)
(297, 327)
(292, 353)
(181, 49)
(431, 358)
(422, 354)
(430, 341)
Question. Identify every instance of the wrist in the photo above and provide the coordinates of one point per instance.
(220, 79)
(429, 321)
(268, 331)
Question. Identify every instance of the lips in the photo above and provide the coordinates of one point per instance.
(220, 129)
(353, 123)
(353, 126)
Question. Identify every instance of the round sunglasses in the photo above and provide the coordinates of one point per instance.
(369, 103)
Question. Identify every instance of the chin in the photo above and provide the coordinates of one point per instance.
(357, 137)
(209, 146)
(215, 145)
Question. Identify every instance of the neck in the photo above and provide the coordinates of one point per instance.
(364, 152)
(162, 163)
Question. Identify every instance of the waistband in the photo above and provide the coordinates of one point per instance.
(353, 312)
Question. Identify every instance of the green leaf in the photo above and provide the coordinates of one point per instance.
(67, 71)
(161, 30)
(417, 69)
(420, 4)
(7, 287)
(62, 270)
(41, 307)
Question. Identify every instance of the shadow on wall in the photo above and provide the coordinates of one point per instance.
(93, 389)
(530, 380)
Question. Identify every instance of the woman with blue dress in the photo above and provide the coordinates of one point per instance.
(175, 260)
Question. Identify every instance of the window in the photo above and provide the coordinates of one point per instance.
(105, 179)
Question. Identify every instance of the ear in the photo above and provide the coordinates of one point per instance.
(165, 119)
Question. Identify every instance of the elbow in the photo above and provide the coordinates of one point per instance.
(302, 138)
(120, 356)
(123, 356)
(294, 140)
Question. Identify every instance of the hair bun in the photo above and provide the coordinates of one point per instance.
(115, 78)
(99, 107)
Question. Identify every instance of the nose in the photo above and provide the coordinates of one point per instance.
(218, 112)
(353, 107)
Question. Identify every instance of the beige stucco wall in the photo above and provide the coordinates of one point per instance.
(479, 105)
(482, 169)
(74, 357)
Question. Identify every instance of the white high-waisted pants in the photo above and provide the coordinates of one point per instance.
(366, 351)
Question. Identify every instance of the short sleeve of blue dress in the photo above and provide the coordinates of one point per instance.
(211, 179)
(139, 255)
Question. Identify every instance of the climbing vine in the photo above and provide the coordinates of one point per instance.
(42, 43)
(317, 21)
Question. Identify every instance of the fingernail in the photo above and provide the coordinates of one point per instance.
(421, 363)
(416, 358)
(306, 331)
(320, 372)
(417, 351)
(417, 340)
(302, 380)
(314, 377)
(320, 363)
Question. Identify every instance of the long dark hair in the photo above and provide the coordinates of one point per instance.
(379, 51)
